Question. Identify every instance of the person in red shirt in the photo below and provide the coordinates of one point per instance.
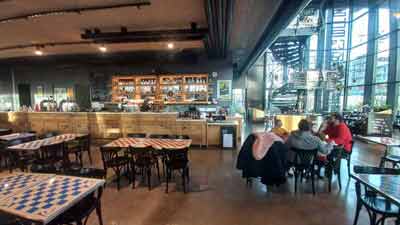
(337, 131)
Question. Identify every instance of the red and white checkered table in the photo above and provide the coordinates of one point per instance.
(151, 142)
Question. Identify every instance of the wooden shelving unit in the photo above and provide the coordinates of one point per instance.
(162, 89)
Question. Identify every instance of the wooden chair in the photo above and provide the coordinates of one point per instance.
(51, 159)
(145, 160)
(375, 204)
(113, 160)
(159, 136)
(333, 165)
(304, 165)
(177, 160)
(136, 135)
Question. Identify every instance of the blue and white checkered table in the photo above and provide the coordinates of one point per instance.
(41, 198)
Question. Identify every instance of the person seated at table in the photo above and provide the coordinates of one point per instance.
(303, 138)
(337, 130)
(279, 130)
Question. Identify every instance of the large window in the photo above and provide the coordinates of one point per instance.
(355, 97)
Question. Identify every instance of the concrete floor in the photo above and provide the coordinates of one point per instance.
(219, 196)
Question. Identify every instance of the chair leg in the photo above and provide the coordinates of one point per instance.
(167, 177)
(158, 172)
(98, 212)
(296, 175)
(183, 180)
(148, 170)
(118, 173)
(133, 175)
(90, 156)
(339, 178)
(358, 209)
(348, 165)
(312, 181)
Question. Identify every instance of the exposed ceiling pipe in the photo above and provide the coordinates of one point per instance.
(80, 10)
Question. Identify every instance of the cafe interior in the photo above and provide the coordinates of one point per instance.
(199, 112)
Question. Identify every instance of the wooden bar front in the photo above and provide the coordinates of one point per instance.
(107, 125)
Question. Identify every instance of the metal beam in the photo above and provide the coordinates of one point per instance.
(287, 10)
(144, 34)
(78, 10)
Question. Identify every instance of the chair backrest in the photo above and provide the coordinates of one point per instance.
(304, 157)
(141, 152)
(185, 137)
(136, 135)
(160, 136)
(177, 154)
(53, 152)
(108, 154)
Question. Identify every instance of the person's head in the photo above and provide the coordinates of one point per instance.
(304, 125)
(278, 123)
(336, 118)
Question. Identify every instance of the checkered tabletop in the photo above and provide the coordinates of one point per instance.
(35, 145)
(156, 143)
(15, 136)
(17, 182)
(46, 200)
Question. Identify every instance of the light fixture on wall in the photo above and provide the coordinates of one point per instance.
(103, 48)
(38, 51)
(397, 15)
(170, 45)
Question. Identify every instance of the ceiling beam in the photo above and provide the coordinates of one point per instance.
(78, 10)
(143, 36)
(286, 12)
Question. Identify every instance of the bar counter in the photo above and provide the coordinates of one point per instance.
(108, 125)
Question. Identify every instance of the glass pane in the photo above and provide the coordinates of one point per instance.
(338, 57)
(359, 34)
(382, 67)
(383, 43)
(312, 63)
(314, 42)
(340, 15)
(356, 74)
(357, 12)
(339, 35)
(355, 96)
(379, 94)
(358, 52)
(383, 19)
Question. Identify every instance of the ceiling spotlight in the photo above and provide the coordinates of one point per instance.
(170, 45)
(38, 52)
(103, 48)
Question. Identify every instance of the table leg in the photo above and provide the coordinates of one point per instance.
(382, 163)
(98, 207)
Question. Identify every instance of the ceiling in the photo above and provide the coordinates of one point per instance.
(68, 27)
(241, 30)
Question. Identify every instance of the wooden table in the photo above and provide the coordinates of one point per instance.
(16, 136)
(40, 198)
(156, 143)
(387, 142)
(36, 145)
(386, 185)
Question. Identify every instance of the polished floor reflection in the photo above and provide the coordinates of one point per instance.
(219, 196)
